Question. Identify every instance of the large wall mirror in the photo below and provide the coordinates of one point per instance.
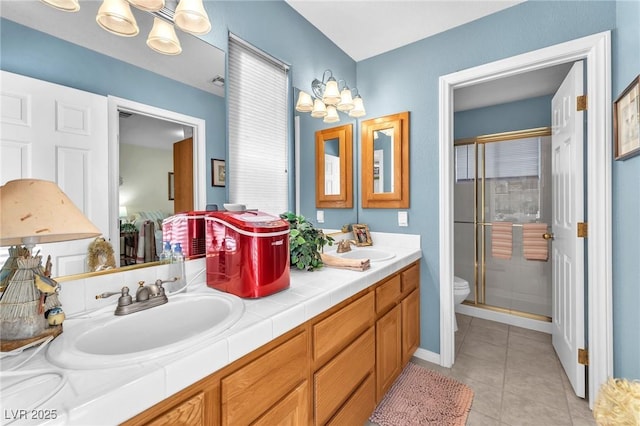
(334, 173)
(385, 161)
(124, 73)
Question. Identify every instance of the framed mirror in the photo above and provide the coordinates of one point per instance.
(385, 162)
(334, 167)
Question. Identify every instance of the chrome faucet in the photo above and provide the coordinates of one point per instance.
(146, 297)
(345, 246)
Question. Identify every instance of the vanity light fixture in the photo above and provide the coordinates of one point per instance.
(64, 5)
(329, 99)
(163, 39)
(116, 17)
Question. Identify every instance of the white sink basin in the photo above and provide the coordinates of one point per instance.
(122, 340)
(374, 255)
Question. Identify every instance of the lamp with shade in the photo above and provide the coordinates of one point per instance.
(34, 212)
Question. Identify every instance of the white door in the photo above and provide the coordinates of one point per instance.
(56, 133)
(331, 174)
(568, 209)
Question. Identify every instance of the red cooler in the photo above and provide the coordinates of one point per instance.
(247, 253)
(188, 230)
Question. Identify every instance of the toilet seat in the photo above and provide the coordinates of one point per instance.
(460, 284)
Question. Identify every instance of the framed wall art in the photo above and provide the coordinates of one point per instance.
(218, 172)
(626, 122)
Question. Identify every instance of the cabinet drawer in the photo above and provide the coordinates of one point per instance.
(336, 381)
(338, 330)
(256, 387)
(387, 294)
(359, 407)
(190, 412)
(410, 278)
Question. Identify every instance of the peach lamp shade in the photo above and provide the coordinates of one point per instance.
(34, 211)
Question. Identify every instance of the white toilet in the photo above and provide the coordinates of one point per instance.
(460, 292)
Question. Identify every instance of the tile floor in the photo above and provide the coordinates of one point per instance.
(515, 375)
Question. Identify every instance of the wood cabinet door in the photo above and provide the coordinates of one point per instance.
(190, 413)
(388, 350)
(358, 408)
(410, 325)
(254, 389)
(293, 410)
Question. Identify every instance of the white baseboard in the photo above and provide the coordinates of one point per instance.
(428, 356)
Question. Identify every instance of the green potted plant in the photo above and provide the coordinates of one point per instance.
(305, 242)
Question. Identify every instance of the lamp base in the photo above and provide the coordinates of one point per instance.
(10, 345)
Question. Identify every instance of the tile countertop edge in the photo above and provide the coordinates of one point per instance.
(176, 370)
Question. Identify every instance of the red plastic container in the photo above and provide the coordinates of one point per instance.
(188, 229)
(247, 253)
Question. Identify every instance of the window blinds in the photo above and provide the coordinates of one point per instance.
(258, 124)
(516, 158)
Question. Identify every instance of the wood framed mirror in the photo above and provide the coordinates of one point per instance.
(334, 167)
(385, 162)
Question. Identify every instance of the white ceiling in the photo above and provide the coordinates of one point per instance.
(366, 28)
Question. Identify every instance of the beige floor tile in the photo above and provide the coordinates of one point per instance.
(530, 334)
(545, 389)
(523, 343)
(493, 335)
(487, 399)
(518, 410)
(479, 322)
(484, 371)
(478, 419)
(534, 361)
(435, 367)
(478, 348)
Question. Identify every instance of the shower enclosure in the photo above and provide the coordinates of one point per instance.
(503, 177)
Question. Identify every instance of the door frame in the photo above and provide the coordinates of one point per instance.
(116, 104)
(596, 50)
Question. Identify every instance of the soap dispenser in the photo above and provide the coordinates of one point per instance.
(177, 270)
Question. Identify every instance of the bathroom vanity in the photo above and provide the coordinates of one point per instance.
(324, 351)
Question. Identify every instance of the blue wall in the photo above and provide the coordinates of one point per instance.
(626, 205)
(526, 114)
(407, 79)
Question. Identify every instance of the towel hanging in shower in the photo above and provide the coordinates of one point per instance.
(534, 246)
(501, 240)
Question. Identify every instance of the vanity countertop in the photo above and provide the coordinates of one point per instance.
(113, 395)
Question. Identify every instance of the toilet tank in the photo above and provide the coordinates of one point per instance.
(247, 253)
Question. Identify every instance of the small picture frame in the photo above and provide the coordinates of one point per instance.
(361, 234)
(626, 122)
(218, 172)
(171, 187)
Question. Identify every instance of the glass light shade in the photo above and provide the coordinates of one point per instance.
(163, 39)
(36, 211)
(148, 5)
(192, 17)
(122, 211)
(358, 108)
(115, 16)
(319, 109)
(64, 5)
(346, 101)
(332, 115)
(305, 103)
(331, 94)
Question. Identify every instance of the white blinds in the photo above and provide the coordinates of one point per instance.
(516, 158)
(258, 123)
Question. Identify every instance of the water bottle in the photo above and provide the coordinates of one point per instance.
(177, 269)
(166, 255)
